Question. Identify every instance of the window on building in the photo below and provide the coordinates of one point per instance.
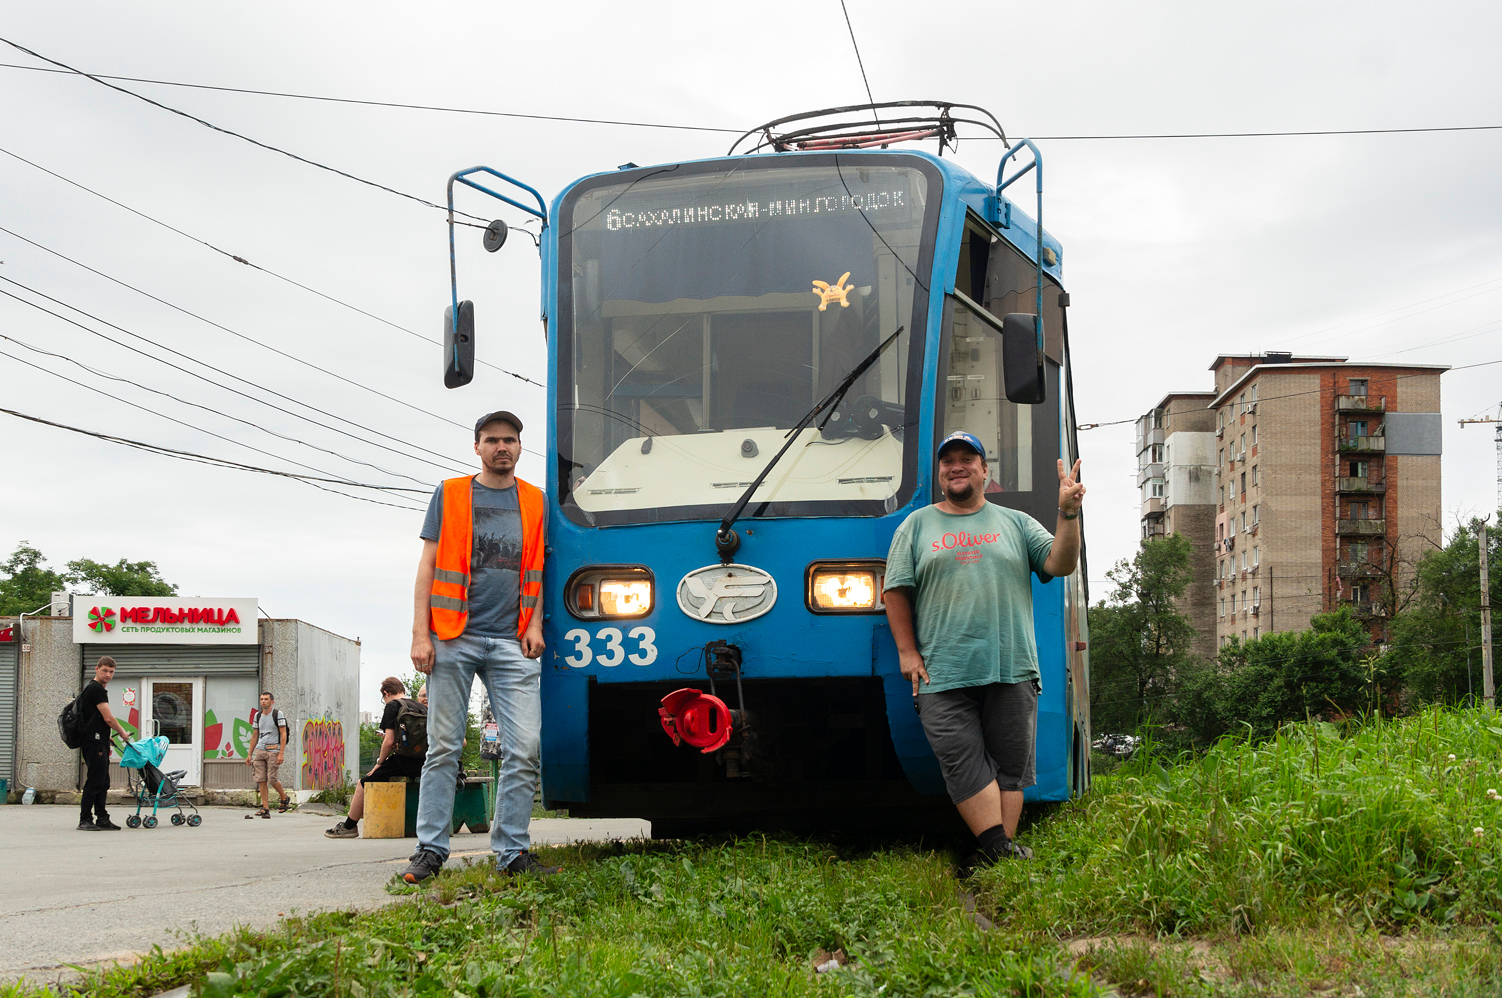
(1358, 511)
(1256, 557)
(1254, 433)
(1255, 632)
(1358, 469)
(1243, 560)
(1243, 523)
(1356, 427)
(1233, 604)
(1220, 495)
(1243, 444)
(1256, 596)
(1254, 474)
(1168, 453)
(1358, 594)
(1220, 459)
(1222, 607)
(1156, 456)
(1157, 490)
(1241, 403)
(1358, 386)
(1254, 394)
(1256, 515)
(1243, 483)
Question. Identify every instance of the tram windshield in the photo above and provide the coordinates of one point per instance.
(705, 308)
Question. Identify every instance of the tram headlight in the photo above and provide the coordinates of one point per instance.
(846, 587)
(604, 592)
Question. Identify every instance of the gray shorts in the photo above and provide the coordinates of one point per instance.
(983, 733)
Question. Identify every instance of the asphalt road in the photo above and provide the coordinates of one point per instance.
(90, 897)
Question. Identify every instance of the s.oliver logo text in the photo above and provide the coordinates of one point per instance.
(949, 541)
(217, 616)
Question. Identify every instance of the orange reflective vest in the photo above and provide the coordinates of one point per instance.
(448, 606)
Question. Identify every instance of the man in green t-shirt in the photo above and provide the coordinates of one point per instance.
(960, 604)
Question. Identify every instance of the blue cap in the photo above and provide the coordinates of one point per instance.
(961, 437)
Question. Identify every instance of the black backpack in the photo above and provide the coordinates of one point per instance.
(70, 723)
(411, 729)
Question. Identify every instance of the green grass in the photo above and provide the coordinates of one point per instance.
(1374, 827)
(1328, 860)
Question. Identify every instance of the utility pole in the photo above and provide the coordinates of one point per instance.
(1488, 692)
(1498, 420)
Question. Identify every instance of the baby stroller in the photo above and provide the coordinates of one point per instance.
(155, 787)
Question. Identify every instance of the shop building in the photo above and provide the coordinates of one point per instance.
(190, 669)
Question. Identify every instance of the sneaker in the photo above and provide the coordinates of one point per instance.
(342, 831)
(424, 865)
(106, 825)
(528, 863)
(88, 826)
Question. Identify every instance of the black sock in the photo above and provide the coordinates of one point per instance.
(994, 838)
(351, 823)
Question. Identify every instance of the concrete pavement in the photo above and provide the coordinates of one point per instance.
(90, 897)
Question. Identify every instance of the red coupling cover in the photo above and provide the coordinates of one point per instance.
(698, 718)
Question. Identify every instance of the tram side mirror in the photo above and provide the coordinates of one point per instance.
(1021, 360)
(459, 346)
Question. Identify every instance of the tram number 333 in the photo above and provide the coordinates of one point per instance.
(641, 651)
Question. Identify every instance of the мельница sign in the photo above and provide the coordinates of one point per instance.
(149, 620)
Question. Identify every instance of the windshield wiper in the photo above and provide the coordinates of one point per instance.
(726, 541)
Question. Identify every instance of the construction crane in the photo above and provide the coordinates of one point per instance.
(1498, 420)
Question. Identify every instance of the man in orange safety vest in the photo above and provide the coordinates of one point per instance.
(477, 613)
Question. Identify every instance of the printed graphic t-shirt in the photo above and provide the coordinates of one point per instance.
(967, 576)
(495, 559)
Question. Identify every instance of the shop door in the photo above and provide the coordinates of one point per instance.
(173, 707)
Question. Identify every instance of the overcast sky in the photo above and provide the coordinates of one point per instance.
(1378, 247)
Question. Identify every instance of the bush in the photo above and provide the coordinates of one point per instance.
(339, 795)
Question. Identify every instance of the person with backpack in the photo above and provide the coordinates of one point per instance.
(94, 722)
(404, 743)
(268, 735)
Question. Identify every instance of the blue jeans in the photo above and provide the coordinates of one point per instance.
(513, 682)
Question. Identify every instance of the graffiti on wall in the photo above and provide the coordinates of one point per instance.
(322, 753)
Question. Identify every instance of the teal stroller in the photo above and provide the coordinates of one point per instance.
(155, 787)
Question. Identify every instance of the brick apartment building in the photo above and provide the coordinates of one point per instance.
(1325, 489)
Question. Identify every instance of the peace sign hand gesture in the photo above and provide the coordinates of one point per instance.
(1071, 492)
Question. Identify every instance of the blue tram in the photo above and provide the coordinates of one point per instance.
(751, 359)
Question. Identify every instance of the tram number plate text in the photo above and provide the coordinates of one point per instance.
(609, 647)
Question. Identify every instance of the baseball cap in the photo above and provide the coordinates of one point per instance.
(961, 437)
(491, 417)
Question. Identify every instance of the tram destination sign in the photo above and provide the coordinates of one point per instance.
(175, 621)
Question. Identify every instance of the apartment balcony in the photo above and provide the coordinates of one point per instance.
(1148, 437)
(1154, 506)
(1148, 472)
(1367, 609)
(1359, 570)
(1360, 485)
(1361, 528)
(1360, 403)
(1374, 444)
(1225, 544)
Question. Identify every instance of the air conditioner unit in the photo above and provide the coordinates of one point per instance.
(1256, 609)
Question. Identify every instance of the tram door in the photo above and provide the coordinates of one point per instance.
(173, 706)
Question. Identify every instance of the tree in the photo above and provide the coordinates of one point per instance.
(1139, 639)
(27, 585)
(1288, 676)
(1436, 639)
(123, 578)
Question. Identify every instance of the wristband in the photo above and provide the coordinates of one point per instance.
(1068, 516)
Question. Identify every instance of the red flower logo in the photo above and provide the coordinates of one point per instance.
(101, 621)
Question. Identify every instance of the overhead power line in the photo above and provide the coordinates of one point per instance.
(235, 333)
(206, 459)
(240, 259)
(858, 60)
(1118, 137)
(226, 131)
(181, 401)
(450, 463)
(200, 429)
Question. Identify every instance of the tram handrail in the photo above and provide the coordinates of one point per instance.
(1002, 183)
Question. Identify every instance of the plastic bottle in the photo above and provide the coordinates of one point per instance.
(29, 796)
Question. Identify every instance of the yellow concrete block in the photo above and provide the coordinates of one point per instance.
(385, 811)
